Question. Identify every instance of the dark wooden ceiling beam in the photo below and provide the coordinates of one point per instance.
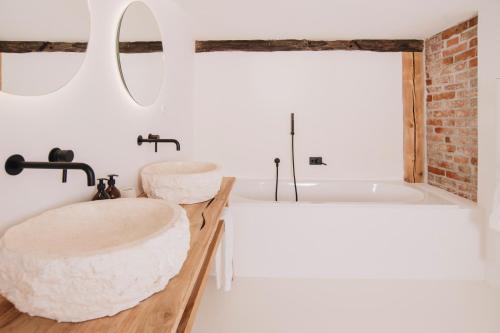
(377, 45)
(35, 46)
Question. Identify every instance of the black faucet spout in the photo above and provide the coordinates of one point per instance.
(16, 164)
(156, 139)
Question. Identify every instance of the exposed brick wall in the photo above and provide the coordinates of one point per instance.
(451, 115)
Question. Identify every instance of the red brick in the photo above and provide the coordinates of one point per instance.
(455, 50)
(452, 41)
(471, 53)
(445, 95)
(454, 30)
(456, 176)
(436, 171)
(434, 122)
(461, 159)
(454, 86)
(473, 21)
(447, 61)
(473, 63)
(441, 130)
(468, 34)
(473, 42)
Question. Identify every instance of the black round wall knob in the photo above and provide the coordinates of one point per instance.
(14, 165)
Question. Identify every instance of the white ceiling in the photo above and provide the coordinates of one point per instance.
(325, 19)
(249, 19)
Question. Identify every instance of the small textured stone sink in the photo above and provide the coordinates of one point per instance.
(92, 259)
(182, 182)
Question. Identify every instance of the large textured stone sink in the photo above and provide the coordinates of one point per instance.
(182, 182)
(92, 259)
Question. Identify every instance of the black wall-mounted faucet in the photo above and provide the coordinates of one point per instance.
(16, 164)
(156, 139)
(59, 155)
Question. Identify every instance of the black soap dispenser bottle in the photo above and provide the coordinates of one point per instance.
(112, 191)
(101, 190)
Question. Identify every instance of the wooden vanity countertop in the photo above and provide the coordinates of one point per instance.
(170, 310)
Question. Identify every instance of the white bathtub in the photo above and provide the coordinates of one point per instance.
(354, 192)
(354, 229)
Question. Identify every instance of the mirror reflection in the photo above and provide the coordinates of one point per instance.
(141, 54)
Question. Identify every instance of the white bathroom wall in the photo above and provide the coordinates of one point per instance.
(489, 125)
(347, 105)
(94, 115)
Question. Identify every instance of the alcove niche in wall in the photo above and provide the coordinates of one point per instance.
(412, 79)
(25, 28)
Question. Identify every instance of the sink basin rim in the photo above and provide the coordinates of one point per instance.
(148, 169)
(175, 209)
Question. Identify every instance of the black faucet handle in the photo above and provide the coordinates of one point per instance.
(59, 155)
(153, 136)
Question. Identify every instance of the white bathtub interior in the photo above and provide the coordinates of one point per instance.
(355, 230)
(341, 191)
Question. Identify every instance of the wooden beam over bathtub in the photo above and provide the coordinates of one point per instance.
(256, 45)
(413, 117)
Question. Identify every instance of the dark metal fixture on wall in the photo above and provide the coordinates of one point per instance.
(152, 138)
(15, 164)
(277, 162)
(292, 133)
(59, 155)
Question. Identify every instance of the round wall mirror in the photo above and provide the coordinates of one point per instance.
(42, 44)
(141, 53)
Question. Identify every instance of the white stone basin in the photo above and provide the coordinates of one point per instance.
(184, 182)
(92, 259)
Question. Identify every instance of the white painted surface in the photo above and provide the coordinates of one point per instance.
(55, 20)
(95, 116)
(79, 262)
(356, 241)
(320, 19)
(184, 182)
(347, 105)
(489, 125)
(354, 306)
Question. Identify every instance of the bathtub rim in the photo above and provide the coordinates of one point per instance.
(453, 200)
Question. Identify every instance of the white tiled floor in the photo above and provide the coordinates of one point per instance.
(349, 306)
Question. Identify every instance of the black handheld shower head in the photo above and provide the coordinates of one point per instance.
(277, 160)
(293, 124)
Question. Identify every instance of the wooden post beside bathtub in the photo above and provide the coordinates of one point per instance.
(413, 117)
(172, 309)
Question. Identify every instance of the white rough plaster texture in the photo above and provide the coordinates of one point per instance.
(182, 182)
(93, 259)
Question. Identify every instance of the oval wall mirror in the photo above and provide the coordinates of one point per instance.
(42, 44)
(141, 53)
